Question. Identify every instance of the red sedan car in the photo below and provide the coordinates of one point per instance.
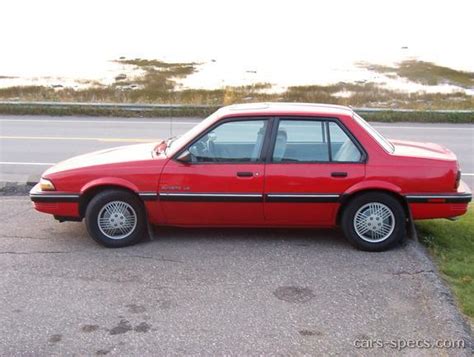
(260, 165)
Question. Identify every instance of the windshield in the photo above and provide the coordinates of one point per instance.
(177, 142)
(387, 145)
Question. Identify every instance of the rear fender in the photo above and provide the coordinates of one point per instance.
(372, 185)
(375, 185)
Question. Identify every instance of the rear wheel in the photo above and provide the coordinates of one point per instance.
(374, 221)
(116, 218)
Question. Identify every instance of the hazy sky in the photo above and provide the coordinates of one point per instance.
(53, 36)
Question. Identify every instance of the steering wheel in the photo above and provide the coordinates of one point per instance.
(203, 149)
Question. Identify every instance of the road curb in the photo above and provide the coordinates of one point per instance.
(444, 293)
(15, 188)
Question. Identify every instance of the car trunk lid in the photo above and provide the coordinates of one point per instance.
(422, 150)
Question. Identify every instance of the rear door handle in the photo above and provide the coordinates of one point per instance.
(245, 174)
(339, 174)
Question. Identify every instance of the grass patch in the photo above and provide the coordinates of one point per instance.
(452, 245)
(146, 63)
(202, 112)
(372, 95)
(424, 116)
(425, 73)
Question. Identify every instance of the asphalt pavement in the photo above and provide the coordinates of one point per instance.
(216, 292)
(29, 144)
(207, 291)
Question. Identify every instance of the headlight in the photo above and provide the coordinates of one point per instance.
(46, 185)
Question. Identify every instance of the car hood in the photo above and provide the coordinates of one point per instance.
(422, 150)
(122, 154)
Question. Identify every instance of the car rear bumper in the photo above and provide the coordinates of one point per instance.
(440, 205)
(62, 204)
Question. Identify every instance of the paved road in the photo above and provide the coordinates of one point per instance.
(28, 144)
(213, 292)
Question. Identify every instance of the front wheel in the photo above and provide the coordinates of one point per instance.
(116, 218)
(374, 221)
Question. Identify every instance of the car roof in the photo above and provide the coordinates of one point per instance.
(285, 109)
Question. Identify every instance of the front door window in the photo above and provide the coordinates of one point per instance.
(232, 142)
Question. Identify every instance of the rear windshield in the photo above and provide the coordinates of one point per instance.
(387, 145)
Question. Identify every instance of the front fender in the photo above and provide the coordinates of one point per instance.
(109, 181)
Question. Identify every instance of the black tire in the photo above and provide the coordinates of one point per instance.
(135, 205)
(358, 203)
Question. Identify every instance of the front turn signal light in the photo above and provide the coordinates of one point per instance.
(46, 185)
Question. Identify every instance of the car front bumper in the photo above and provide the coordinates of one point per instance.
(60, 204)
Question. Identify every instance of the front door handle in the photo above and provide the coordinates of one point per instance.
(244, 174)
(339, 174)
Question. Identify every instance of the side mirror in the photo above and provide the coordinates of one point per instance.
(184, 157)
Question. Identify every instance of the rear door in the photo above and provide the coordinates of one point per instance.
(223, 183)
(312, 162)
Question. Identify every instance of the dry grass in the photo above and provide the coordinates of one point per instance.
(158, 84)
(425, 73)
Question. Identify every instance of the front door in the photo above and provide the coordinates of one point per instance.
(223, 183)
(312, 163)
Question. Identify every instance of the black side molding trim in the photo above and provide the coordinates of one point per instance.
(250, 197)
(459, 198)
(230, 197)
(211, 197)
(51, 198)
(148, 196)
(302, 198)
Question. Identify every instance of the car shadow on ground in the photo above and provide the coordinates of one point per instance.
(159, 234)
(74, 235)
(316, 238)
(248, 234)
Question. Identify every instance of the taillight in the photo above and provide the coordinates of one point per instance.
(458, 179)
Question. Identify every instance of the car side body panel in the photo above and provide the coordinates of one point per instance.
(421, 174)
(307, 194)
(212, 194)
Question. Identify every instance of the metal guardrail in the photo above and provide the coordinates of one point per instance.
(149, 107)
(375, 110)
(123, 106)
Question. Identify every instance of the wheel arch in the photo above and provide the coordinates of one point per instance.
(94, 187)
(368, 187)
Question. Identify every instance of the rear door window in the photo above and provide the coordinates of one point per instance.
(313, 141)
(301, 141)
(343, 148)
